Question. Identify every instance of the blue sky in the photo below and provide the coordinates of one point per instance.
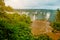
(33, 4)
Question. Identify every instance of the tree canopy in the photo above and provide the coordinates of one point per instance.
(58, 15)
(56, 24)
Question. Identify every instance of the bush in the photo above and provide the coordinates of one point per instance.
(15, 27)
(43, 37)
(56, 26)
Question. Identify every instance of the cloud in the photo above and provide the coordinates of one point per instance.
(35, 4)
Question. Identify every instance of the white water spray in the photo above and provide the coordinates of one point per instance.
(47, 16)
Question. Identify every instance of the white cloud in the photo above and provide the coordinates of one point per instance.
(23, 4)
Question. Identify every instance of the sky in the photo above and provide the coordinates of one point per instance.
(33, 4)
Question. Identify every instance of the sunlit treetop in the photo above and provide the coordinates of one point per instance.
(3, 7)
(2, 3)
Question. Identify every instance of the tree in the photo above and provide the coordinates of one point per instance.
(2, 3)
(8, 8)
(56, 25)
(3, 7)
(58, 15)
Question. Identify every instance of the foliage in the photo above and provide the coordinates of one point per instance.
(4, 8)
(56, 26)
(8, 8)
(43, 37)
(14, 27)
(2, 3)
(58, 15)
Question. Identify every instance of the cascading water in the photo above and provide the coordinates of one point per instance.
(47, 16)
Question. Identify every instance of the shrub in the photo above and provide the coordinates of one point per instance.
(43, 37)
(56, 26)
(12, 28)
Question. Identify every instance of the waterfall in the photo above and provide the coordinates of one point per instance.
(47, 16)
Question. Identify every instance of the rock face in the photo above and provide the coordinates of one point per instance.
(43, 27)
(40, 27)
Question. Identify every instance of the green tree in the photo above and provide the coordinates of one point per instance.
(2, 3)
(3, 7)
(8, 8)
(56, 25)
(58, 15)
